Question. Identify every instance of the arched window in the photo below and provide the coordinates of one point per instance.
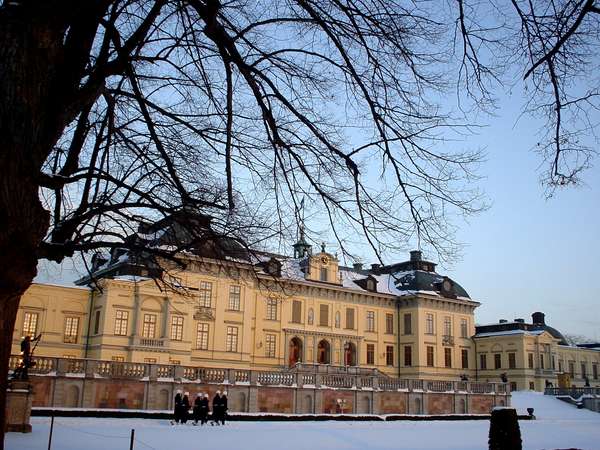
(349, 354)
(323, 352)
(295, 351)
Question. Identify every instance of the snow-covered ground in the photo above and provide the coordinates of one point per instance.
(559, 426)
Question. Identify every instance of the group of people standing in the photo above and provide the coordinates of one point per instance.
(200, 411)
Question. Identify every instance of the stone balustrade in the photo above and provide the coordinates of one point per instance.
(115, 384)
(138, 371)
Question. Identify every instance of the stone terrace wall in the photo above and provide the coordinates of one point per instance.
(79, 383)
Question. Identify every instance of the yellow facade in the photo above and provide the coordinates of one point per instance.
(228, 315)
(533, 360)
(225, 315)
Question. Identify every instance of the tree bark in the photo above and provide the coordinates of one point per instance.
(28, 130)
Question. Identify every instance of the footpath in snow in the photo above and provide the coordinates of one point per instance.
(559, 426)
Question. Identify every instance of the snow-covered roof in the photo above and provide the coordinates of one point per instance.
(509, 332)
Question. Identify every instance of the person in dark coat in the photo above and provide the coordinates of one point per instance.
(197, 402)
(223, 413)
(503, 377)
(177, 408)
(204, 408)
(216, 408)
(185, 407)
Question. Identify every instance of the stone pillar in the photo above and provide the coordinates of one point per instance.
(136, 314)
(19, 397)
(166, 318)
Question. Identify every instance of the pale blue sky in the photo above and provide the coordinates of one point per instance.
(527, 253)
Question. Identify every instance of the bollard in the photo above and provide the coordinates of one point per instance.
(51, 429)
(132, 439)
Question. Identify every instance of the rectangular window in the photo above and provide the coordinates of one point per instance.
(447, 326)
(234, 298)
(97, 322)
(271, 309)
(121, 319)
(371, 354)
(497, 361)
(464, 328)
(118, 358)
(530, 360)
(71, 330)
(429, 329)
(407, 323)
(389, 323)
(572, 369)
(407, 355)
(512, 361)
(583, 370)
(464, 356)
(297, 311)
(205, 294)
(177, 328)
(595, 371)
(323, 274)
(30, 322)
(513, 386)
(389, 355)
(541, 361)
(232, 338)
(270, 346)
(448, 357)
(370, 320)
(202, 336)
(483, 361)
(560, 366)
(531, 386)
(430, 361)
(149, 326)
(176, 362)
(150, 360)
(324, 315)
(350, 318)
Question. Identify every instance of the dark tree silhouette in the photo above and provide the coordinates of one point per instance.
(116, 113)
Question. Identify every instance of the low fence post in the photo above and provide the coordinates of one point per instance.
(132, 439)
(51, 430)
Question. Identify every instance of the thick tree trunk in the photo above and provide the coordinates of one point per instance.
(28, 130)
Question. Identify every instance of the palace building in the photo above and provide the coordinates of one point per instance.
(236, 309)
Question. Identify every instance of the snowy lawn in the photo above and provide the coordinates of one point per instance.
(559, 425)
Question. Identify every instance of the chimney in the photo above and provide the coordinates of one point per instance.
(502, 321)
(416, 255)
(357, 266)
(538, 318)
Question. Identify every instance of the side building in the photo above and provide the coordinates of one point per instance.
(534, 355)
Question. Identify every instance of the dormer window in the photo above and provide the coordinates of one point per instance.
(370, 285)
(323, 273)
(273, 267)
